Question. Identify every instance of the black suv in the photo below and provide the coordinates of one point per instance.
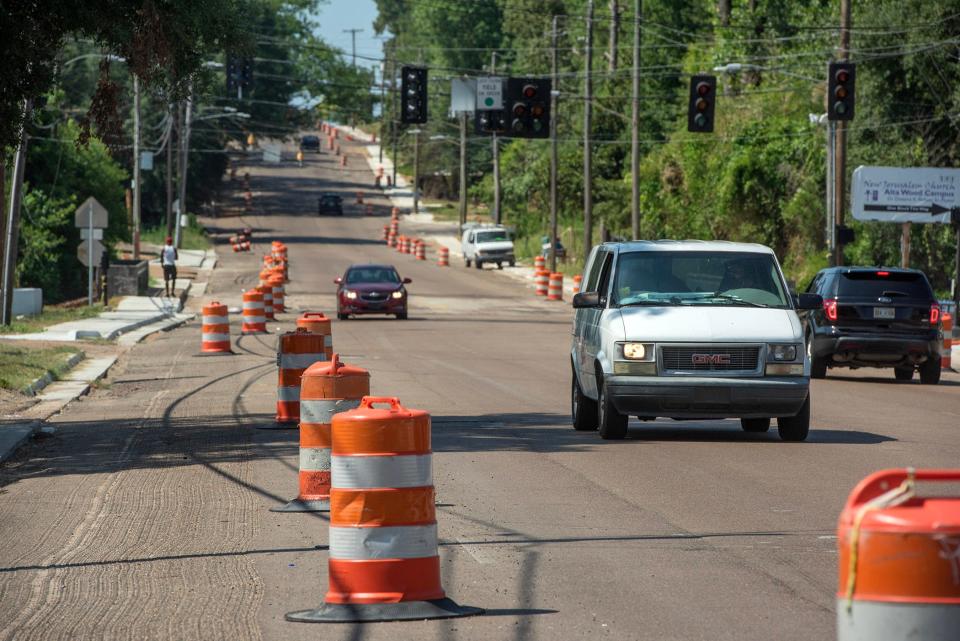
(874, 317)
(310, 143)
(330, 204)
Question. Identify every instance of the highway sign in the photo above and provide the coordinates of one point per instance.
(90, 206)
(463, 95)
(97, 233)
(90, 249)
(905, 194)
(489, 94)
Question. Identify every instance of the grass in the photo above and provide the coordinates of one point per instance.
(192, 236)
(51, 316)
(21, 365)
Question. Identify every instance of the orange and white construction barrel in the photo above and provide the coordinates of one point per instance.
(443, 257)
(948, 321)
(576, 283)
(254, 321)
(296, 351)
(318, 323)
(267, 292)
(541, 281)
(276, 285)
(215, 329)
(392, 239)
(386, 233)
(326, 389)
(384, 563)
(899, 574)
(539, 263)
(555, 287)
(421, 250)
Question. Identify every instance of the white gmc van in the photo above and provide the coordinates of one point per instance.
(688, 330)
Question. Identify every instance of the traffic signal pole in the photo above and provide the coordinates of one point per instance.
(587, 121)
(553, 147)
(463, 170)
(841, 139)
(496, 155)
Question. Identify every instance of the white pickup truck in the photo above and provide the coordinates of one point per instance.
(488, 244)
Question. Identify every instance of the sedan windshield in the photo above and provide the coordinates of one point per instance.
(372, 275)
(698, 278)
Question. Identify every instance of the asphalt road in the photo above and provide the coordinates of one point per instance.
(146, 515)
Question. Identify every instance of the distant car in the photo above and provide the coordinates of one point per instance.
(330, 204)
(487, 244)
(371, 289)
(874, 317)
(310, 143)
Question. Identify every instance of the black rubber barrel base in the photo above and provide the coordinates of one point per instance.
(370, 612)
(302, 505)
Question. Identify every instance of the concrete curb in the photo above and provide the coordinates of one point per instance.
(13, 436)
(33, 388)
(132, 338)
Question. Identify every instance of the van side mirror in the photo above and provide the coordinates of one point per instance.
(809, 301)
(586, 300)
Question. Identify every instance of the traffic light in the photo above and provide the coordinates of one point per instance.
(491, 122)
(528, 102)
(841, 82)
(239, 73)
(703, 101)
(413, 87)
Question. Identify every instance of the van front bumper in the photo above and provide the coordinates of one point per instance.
(704, 397)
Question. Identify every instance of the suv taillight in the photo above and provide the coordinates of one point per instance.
(830, 308)
(934, 314)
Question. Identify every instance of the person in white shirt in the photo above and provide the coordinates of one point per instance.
(168, 258)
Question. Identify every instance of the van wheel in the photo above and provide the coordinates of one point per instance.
(466, 262)
(903, 373)
(930, 371)
(755, 424)
(583, 408)
(795, 428)
(818, 366)
(611, 423)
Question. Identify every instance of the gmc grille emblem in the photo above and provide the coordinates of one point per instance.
(710, 359)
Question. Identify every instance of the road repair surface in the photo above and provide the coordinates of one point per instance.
(146, 515)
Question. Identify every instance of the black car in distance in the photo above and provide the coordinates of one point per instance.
(874, 317)
(330, 204)
(310, 143)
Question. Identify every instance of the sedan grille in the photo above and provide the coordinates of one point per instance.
(710, 358)
(374, 297)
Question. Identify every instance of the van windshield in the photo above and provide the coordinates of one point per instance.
(700, 278)
(491, 236)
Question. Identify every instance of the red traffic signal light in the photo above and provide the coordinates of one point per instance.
(841, 79)
(700, 108)
(529, 91)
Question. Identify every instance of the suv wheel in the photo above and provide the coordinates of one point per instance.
(611, 423)
(755, 424)
(818, 366)
(903, 373)
(795, 428)
(583, 408)
(930, 371)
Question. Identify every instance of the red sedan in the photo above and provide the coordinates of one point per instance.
(371, 289)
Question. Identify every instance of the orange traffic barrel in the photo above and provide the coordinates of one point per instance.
(254, 321)
(392, 239)
(395, 225)
(267, 292)
(421, 250)
(539, 263)
(395, 213)
(276, 285)
(401, 240)
(386, 233)
(443, 257)
(541, 280)
(555, 287)
(318, 323)
(408, 245)
(576, 283)
(899, 572)
(384, 564)
(296, 351)
(326, 389)
(948, 321)
(215, 330)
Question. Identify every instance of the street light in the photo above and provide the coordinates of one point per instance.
(109, 56)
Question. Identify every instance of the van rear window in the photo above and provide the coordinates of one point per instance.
(884, 283)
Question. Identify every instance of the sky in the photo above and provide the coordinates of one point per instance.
(336, 15)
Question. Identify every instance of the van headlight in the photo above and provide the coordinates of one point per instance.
(782, 353)
(638, 351)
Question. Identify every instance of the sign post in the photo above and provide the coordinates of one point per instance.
(91, 217)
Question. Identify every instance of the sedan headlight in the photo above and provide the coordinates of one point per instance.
(397, 294)
(638, 351)
(781, 353)
(352, 295)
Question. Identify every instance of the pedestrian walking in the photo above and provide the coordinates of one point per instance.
(168, 258)
(300, 157)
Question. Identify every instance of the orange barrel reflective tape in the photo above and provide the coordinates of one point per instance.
(539, 263)
(215, 330)
(899, 566)
(267, 292)
(541, 282)
(254, 321)
(555, 287)
(326, 389)
(296, 351)
(421, 250)
(443, 257)
(384, 564)
(318, 323)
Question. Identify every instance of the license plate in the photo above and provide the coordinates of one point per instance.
(884, 312)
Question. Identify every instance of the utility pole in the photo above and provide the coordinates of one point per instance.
(383, 107)
(13, 219)
(173, 115)
(463, 170)
(496, 155)
(635, 125)
(353, 37)
(587, 119)
(136, 169)
(614, 35)
(395, 119)
(185, 155)
(553, 146)
(831, 222)
(840, 190)
(416, 171)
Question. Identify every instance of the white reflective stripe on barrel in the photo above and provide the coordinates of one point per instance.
(352, 472)
(215, 338)
(253, 304)
(216, 320)
(300, 361)
(322, 411)
(249, 320)
(400, 542)
(887, 621)
(288, 394)
(313, 459)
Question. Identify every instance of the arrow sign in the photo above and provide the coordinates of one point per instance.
(90, 252)
(90, 206)
(905, 194)
(933, 209)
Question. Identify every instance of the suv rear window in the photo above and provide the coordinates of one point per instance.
(874, 284)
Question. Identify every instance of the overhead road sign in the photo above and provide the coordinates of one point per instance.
(489, 94)
(905, 194)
